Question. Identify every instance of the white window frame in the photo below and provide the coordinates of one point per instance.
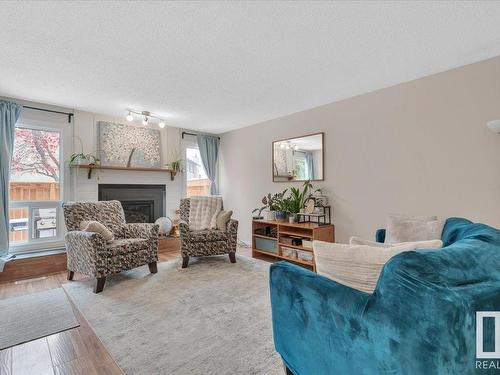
(39, 244)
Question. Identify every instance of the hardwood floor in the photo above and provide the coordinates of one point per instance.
(75, 351)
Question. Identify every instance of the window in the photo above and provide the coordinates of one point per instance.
(197, 182)
(300, 165)
(35, 186)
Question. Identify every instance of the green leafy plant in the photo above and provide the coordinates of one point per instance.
(292, 202)
(259, 210)
(88, 158)
(177, 163)
(295, 201)
(74, 157)
(272, 201)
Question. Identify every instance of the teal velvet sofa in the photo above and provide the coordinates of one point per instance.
(421, 318)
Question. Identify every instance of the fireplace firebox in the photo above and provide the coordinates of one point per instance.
(141, 203)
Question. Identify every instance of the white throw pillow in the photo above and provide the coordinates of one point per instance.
(417, 218)
(96, 227)
(357, 266)
(406, 229)
(430, 244)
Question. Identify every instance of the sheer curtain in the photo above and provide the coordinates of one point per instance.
(209, 151)
(9, 114)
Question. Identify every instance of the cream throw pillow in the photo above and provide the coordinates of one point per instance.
(431, 244)
(410, 229)
(222, 219)
(96, 227)
(357, 266)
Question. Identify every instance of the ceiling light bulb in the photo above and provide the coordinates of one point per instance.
(130, 117)
(282, 146)
(145, 121)
(161, 124)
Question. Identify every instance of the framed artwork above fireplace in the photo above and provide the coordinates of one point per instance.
(129, 146)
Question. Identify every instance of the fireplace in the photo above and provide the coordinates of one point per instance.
(141, 203)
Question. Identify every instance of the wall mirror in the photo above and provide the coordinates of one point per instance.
(298, 159)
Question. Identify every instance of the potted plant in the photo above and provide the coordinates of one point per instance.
(295, 203)
(78, 159)
(259, 215)
(280, 205)
(270, 201)
(177, 162)
(176, 165)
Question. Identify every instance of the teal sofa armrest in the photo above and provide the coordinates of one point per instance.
(315, 320)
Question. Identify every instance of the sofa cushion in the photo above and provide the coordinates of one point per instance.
(96, 227)
(109, 213)
(358, 266)
(126, 246)
(407, 229)
(208, 235)
(222, 219)
(431, 244)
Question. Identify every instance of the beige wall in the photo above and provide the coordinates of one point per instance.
(420, 147)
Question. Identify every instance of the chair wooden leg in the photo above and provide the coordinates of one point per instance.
(99, 284)
(70, 275)
(232, 257)
(153, 267)
(185, 261)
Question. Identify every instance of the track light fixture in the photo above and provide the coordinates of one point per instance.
(146, 116)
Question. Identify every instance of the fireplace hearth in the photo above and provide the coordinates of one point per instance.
(141, 203)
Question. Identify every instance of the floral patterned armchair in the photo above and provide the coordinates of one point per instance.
(206, 242)
(88, 253)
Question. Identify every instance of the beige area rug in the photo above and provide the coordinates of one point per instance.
(213, 317)
(36, 315)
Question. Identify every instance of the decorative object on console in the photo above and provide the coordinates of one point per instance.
(165, 225)
(309, 206)
(319, 198)
(117, 141)
(320, 215)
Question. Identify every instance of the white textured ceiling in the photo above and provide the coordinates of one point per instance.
(217, 66)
